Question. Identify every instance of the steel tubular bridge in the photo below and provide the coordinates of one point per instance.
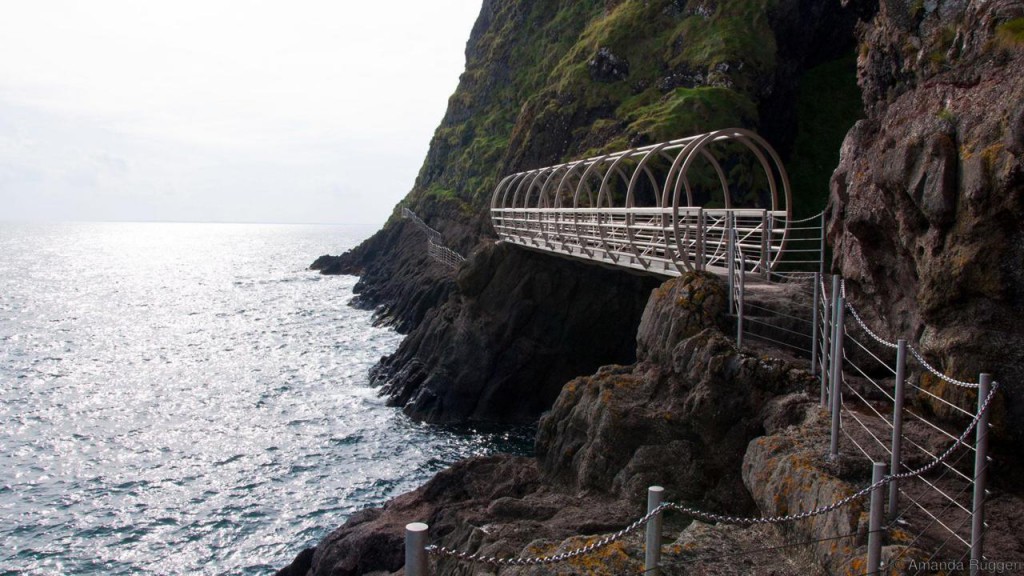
(663, 209)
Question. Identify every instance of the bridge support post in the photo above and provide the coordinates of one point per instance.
(980, 476)
(837, 374)
(652, 548)
(731, 255)
(897, 427)
(415, 549)
(875, 520)
(701, 240)
(764, 247)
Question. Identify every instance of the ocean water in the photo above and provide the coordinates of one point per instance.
(189, 399)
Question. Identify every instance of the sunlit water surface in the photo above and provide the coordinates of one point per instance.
(188, 399)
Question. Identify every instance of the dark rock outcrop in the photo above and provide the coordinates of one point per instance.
(927, 205)
(607, 67)
(328, 264)
(510, 336)
(403, 285)
(681, 417)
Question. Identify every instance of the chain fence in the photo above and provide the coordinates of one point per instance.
(947, 509)
(479, 558)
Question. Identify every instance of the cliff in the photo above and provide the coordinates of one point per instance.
(549, 81)
(924, 214)
(681, 416)
(926, 204)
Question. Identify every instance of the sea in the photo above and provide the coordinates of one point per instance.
(190, 399)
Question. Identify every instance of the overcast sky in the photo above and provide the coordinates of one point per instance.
(218, 110)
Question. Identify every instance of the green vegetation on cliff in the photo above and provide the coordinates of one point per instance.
(1011, 33)
(552, 80)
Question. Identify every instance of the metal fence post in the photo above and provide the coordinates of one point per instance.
(875, 520)
(814, 327)
(764, 246)
(897, 427)
(821, 263)
(652, 550)
(739, 319)
(980, 476)
(415, 549)
(826, 340)
(837, 374)
(834, 312)
(701, 239)
(731, 251)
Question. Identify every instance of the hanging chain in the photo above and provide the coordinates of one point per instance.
(711, 517)
(917, 355)
(553, 559)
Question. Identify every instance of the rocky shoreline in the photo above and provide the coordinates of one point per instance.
(637, 383)
(682, 417)
(724, 431)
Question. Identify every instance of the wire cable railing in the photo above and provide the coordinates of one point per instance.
(850, 403)
(436, 249)
(417, 550)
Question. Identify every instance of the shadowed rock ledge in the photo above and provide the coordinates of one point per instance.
(515, 328)
(681, 417)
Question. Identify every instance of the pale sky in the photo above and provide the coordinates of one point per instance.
(218, 110)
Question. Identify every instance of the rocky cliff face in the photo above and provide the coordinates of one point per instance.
(926, 205)
(547, 81)
(924, 212)
(681, 417)
(505, 342)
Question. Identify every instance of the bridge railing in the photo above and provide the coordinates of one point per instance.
(804, 252)
(664, 208)
(663, 241)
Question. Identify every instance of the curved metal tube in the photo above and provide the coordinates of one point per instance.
(531, 207)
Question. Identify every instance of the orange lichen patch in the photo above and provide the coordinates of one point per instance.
(900, 536)
(962, 397)
(622, 382)
(990, 153)
(662, 291)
